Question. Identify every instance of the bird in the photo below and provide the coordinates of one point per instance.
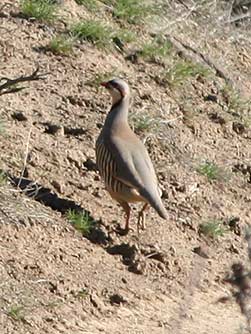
(123, 161)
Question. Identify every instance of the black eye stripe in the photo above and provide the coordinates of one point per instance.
(116, 86)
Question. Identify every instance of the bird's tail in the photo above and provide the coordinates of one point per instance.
(155, 201)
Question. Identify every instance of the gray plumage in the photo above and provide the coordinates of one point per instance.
(123, 160)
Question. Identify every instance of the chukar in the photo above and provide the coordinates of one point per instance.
(122, 159)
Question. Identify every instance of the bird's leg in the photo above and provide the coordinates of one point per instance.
(142, 217)
(127, 210)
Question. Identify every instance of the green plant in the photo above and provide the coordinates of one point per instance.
(132, 11)
(16, 312)
(212, 171)
(61, 45)
(156, 49)
(212, 229)
(236, 104)
(83, 293)
(3, 178)
(143, 122)
(183, 70)
(126, 36)
(101, 34)
(82, 221)
(42, 10)
(101, 77)
(89, 4)
(93, 31)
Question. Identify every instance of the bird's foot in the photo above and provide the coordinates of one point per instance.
(122, 231)
(141, 224)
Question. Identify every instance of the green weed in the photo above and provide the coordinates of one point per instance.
(61, 44)
(236, 104)
(89, 4)
(155, 49)
(94, 32)
(143, 122)
(212, 229)
(3, 178)
(42, 10)
(212, 171)
(183, 70)
(126, 36)
(131, 11)
(16, 312)
(101, 34)
(81, 221)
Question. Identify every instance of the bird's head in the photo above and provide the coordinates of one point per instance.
(118, 89)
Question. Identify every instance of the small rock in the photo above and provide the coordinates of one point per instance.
(90, 165)
(96, 177)
(201, 251)
(58, 186)
(165, 194)
(216, 118)
(234, 249)
(74, 131)
(211, 97)
(117, 299)
(52, 129)
(96, 193)
(239, 128)
(4, 14)
(99, 125)
(119, 43)
(138, 266)
(97, 302)
(162, 267)
(19, 116)
(76, 101)
(133, 57)
(234, 225)
(124, 280)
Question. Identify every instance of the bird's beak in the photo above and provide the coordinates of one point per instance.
(104, 84)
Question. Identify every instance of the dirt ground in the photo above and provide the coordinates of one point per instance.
(170, 277)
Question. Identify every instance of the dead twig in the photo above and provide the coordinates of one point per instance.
(240, 18)
(25, 158)
(171, 120)
(192, 54)
(10, 85)
(182, 18)
(230, 10)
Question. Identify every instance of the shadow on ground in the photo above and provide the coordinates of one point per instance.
(130, 254)
(50, 199)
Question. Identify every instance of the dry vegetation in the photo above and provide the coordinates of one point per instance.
(63, 267)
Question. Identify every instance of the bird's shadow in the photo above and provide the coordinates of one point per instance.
(99, 234)
(50, 199)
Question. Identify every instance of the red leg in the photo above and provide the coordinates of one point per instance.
(127, 210)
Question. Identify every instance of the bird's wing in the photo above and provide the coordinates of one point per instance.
(134, 166)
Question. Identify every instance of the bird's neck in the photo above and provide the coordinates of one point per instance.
(119, 112)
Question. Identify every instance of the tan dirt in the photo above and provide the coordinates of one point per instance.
(54, 280)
